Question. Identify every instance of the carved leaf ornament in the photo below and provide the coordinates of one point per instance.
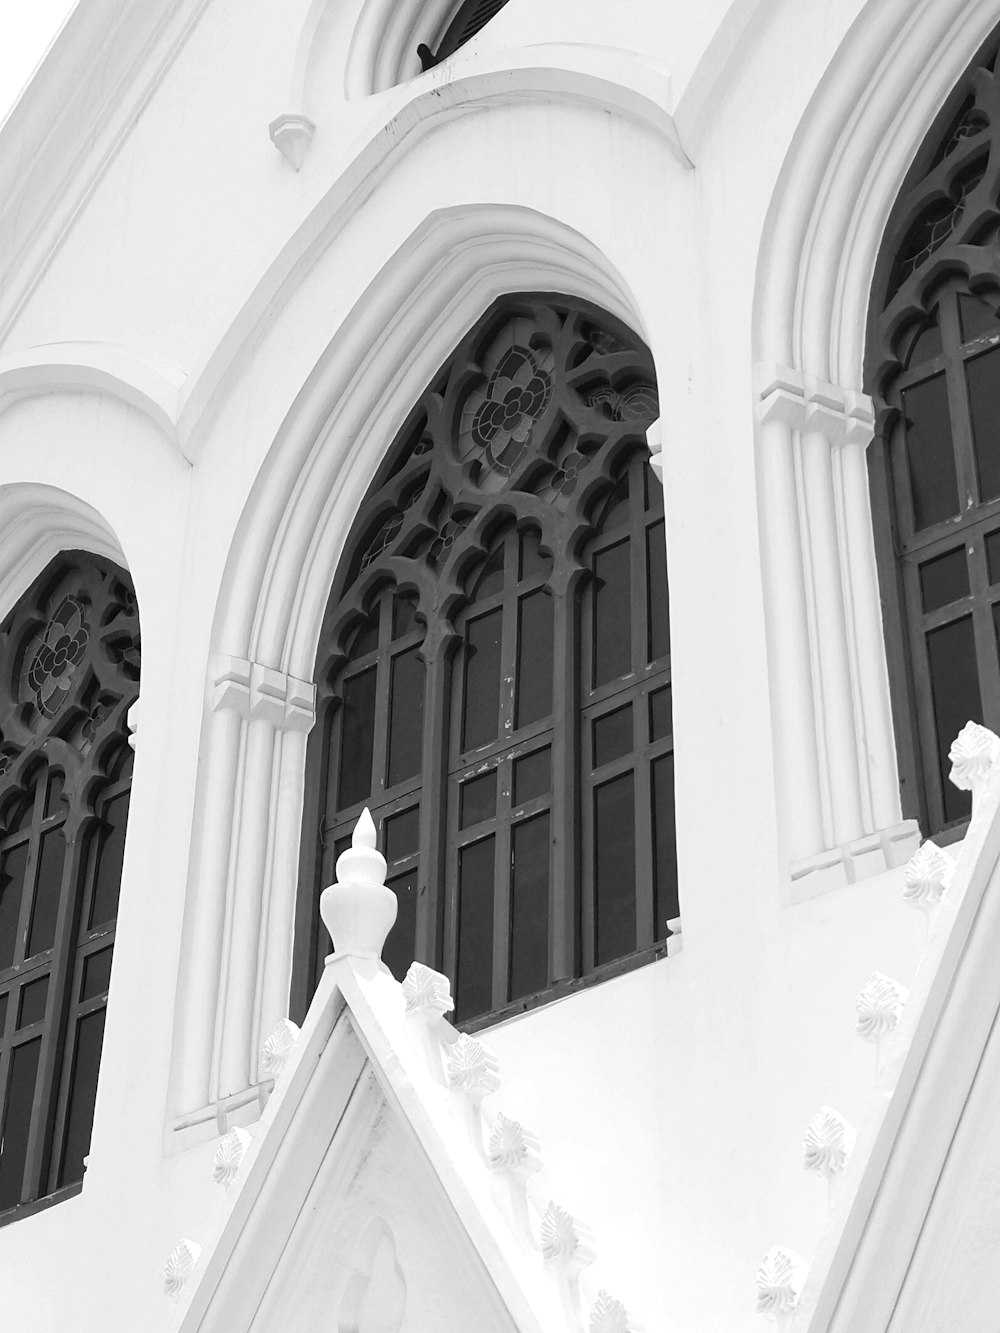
(925, 876)
(828, 1142)
(473, 1067)
(179, 1266)
(509, 1144)
(426, 991)
(779, 1281)
(608, 1315)
(879, 1007)
(277, 1048)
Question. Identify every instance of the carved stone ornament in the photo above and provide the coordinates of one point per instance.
(608, 1316)
(473, 1067)
(511, 1147)
(278, 1047)
(779, 1281)
(179, 1266)
(228, 1156)
(926, 876)
(359, 910)
(563, 1240)
(828, 1143)
(427, 991)
(292, 134)
(973, 754)
(879, 1006)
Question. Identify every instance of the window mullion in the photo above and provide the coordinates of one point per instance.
(50, 1087)
(435, 887)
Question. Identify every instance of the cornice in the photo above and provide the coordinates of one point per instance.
(69, 124)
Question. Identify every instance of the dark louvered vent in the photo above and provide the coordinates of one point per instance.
(471, 16)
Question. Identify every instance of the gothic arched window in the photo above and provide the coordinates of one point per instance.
(470, 17)
(494, 670)
(933, 366)
(69, 671)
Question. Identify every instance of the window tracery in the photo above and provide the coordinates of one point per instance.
(494, 672)
(69, 667)
(933, 366)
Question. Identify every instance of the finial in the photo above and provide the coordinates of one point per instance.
(359, 910)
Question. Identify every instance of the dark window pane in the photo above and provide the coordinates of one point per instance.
(614, 868)
(534, 658)
(929, 452)
(32, 1005)
(664, 845)
(366, 638)
(653, 491)
(978, 319)
(529, 946)
(951, 653)
(402, 834)
(13, 864)
(474, 991)
(481, 712)
(659, 602)
(54, 794)
(944, 579)
(48, 892)
(993, 556)
(612, 601)
(3, 1013)
(660, 719)
(96, 974)
(615, 507)
(357, 736)
(983, 375)
(612, 735)
(532, 776)
(532, 563)
(82, 1095)
(17, 1120)
(406, 717)
(927, 344)
(490, 578)
(478, 799)
(400, 945)
(404, 616)
(110, 857)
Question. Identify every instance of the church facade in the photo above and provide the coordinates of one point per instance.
(551, 457)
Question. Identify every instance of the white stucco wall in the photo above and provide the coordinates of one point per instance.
(231, 289)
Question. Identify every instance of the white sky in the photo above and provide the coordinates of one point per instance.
(27, 30)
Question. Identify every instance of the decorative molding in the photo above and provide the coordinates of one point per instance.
(359, 910)
(473, 1068)
(608, 1316)
(926, 876)
(779, 1281)
(179, 1266)
(806, 404)
(828, 1143)
(278, 1046)
(854, 861)
(511, 1147)
(879, 1005)
(261, 692)
(291, 133)
(973, 755)
(426, 991)
(564, 1241)
(228, 1156)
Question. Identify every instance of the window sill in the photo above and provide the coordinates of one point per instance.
(563, 989)
(39, 1205)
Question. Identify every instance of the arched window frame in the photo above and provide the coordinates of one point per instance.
(621, 379)
(939, 261)
(69, 653)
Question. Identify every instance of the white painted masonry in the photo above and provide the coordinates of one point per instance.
(236, 241)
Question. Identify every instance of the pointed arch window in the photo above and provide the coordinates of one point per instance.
(494, 670)
(933, 367)
(470, 18)
(69, 671)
